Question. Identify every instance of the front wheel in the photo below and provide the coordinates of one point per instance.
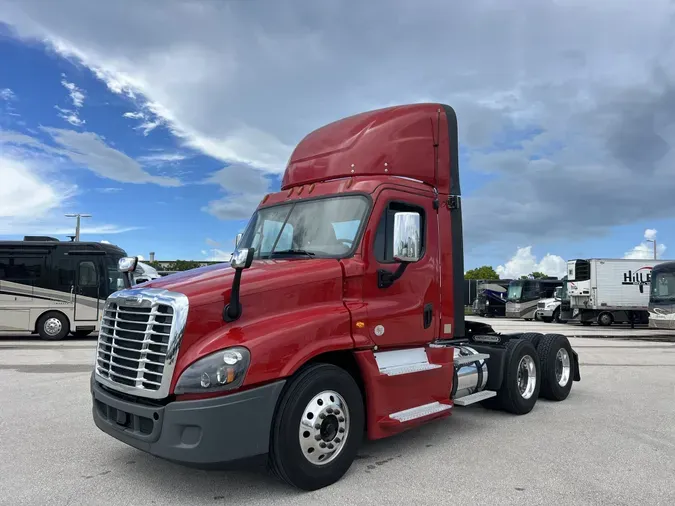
(318, 427)
(53, 326)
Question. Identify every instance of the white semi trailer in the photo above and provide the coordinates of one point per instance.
(609, 290)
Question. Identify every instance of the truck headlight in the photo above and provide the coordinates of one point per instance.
(219, 371)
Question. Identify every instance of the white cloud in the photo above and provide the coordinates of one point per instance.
(134, 115)
(244, 84)
(109, 190)
(7, 94)
(524, 263)
(89, 150)
(217, 255)
(162, 158)
(24, 195)
(645, 250)
(86, 230)
(76, 94)
(70, 116)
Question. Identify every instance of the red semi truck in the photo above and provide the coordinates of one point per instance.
(340, 316)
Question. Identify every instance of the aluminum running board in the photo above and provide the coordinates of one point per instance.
(468, 359)
(407, 369)
(420, 411)
(474, 398)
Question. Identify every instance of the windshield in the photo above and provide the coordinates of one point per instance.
(558, 292)
(115, 280)
(324, 228)
(663, 287)
(515, 292)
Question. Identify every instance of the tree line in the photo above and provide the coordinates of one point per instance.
(488, 272)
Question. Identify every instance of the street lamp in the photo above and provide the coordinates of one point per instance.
(77, 225)
(654, 241)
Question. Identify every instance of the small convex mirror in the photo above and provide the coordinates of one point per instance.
(407, 237)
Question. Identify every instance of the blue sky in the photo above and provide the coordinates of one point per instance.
(171, 133)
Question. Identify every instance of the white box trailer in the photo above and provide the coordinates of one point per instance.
(609, 290)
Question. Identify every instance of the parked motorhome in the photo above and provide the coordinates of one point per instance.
(52, 288)
(662, 296)
(524, 294)
(491, 298)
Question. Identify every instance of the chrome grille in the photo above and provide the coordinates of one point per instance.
(138, 340)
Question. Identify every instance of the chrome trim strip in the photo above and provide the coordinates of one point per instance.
(144, 297)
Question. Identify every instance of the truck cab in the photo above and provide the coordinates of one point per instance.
(340, 316)
(549, 308)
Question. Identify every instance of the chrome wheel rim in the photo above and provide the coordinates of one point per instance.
(53, 326)
(562, 367)
(527, 377)
(324, 428)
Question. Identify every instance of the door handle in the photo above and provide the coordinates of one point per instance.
(428, 315)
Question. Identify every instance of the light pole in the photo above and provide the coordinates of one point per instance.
(77, 225)
(654, 241)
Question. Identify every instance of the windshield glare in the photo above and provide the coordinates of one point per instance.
(324, 228)
(515, 292)
(663, 286)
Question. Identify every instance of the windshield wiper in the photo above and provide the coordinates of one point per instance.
(306, 253)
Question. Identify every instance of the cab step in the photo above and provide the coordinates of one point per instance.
(408, 361)
(467, 400)
(420, 411)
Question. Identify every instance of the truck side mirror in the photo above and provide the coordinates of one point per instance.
(237, 240)
(406, 247)
(241, 259)
(407, 235)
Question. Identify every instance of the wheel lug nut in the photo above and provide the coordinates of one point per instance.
(322, 445)
(329, 411)
(341, 419)
(322, 415)
(317, 426)
(336, 411)
(330, 446)
(341, 430)
(317, 437)
(337, 440)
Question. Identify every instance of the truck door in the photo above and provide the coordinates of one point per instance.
(86, 289)
(407, 311)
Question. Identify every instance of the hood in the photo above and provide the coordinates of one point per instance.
(214, 282)
(548, 301)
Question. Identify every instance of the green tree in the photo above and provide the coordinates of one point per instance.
(537, 275)
(483, 272)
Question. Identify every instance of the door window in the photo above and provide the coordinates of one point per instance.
(87, 274)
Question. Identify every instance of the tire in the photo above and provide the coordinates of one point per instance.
(605, 319)
(533, 337)
(294, 450)
(81, 333)
(53, 326)
(556, 315)
(510, 396)
(557, 367)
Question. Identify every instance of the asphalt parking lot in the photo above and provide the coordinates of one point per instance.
(611, 442)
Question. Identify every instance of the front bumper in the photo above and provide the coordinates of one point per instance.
(199, 432)
(546, 313)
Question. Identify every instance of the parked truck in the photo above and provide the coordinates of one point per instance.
(340, 316)
(662, 296)
(549, 308)
(610, 290)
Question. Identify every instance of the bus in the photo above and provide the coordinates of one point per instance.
(662, 296)
(524, 294)
(52, 288)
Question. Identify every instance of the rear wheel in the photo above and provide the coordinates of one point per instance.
(605, 319)
(520, 386)
(557, 365)
(533, 337)
(318, 427)
(53, 326)
(556, 315)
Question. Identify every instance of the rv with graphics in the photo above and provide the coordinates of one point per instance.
(53, 288)
(524, 294)
(491, 298)
(662, 296)
(610, 290)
